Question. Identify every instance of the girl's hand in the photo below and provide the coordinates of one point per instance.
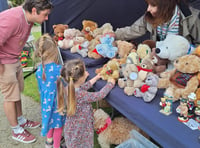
(97, 77)
(112, 81)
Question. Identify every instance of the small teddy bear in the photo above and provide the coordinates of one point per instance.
(143, 51)
(124, 48)
(80, 46)
(106, 48)
(160, 65)
(59, 31)
(88, 27)
(69, 35)
(149, 89)
(183, 79)
(109, 70)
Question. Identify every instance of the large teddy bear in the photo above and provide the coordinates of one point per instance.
(183, 79)
(172, 47)
(149, 89)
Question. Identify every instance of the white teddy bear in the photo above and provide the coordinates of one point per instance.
(172, 47)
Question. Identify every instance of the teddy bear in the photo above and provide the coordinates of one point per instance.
(80, 46)
(172, 47)
(114, 131)
(134, 76)
(104, 29)
(160, 65)
(92, 52)
(183, 79)
(148, 89)
(69, 35)
(124, 48)
(130, 73)
(143, 50)
(106, 48)
(88, 27)
(109, 70)
(59, 31)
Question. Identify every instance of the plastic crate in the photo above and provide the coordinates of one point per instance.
(137, 141)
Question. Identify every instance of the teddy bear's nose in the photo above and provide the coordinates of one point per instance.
(157, 50)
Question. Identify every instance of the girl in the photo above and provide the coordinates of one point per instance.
(78, 130)
(47, 73)
(164, 17)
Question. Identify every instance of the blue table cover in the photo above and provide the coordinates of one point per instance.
(166, 130)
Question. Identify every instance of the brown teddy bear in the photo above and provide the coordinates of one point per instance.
(114, 131)
(124, 48)
(88, 28)
(59, 31)
(109, 70)
(160, 65)
(183, 79)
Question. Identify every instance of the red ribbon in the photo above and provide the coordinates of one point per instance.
(140, 68)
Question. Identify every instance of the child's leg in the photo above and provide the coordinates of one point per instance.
(57, 134)
(50, 136)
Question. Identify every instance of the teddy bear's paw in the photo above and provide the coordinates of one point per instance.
(60, 44)
(129, 91)
(121, 83)
(137, 92)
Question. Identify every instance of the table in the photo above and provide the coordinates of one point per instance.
(166, 130)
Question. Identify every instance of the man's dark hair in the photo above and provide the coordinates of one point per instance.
(40, 5)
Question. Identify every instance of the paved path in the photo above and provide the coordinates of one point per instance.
(31, 110)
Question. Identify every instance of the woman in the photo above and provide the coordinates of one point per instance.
(164, 17)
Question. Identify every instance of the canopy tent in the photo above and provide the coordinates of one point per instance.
(119, 13)
(3, 5)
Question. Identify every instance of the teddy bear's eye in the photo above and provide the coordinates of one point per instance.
(144, 66)
(167, 47)
(186, 63)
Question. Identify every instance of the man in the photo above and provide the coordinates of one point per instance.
(15, 27)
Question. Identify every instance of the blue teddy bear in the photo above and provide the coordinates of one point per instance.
(106, 49)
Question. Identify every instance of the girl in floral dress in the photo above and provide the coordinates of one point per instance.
(47, 74)
(78, 129)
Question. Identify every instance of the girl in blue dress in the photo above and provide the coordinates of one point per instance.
(47, 74)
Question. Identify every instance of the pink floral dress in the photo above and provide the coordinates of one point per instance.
(78, 129)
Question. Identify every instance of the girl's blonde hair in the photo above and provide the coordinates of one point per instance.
(165, 11)
(46, 49)
(71, 72)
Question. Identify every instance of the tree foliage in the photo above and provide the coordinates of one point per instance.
(16, 2)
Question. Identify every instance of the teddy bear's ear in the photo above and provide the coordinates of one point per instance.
(66, 26)
(54, 26)
(83, 22)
